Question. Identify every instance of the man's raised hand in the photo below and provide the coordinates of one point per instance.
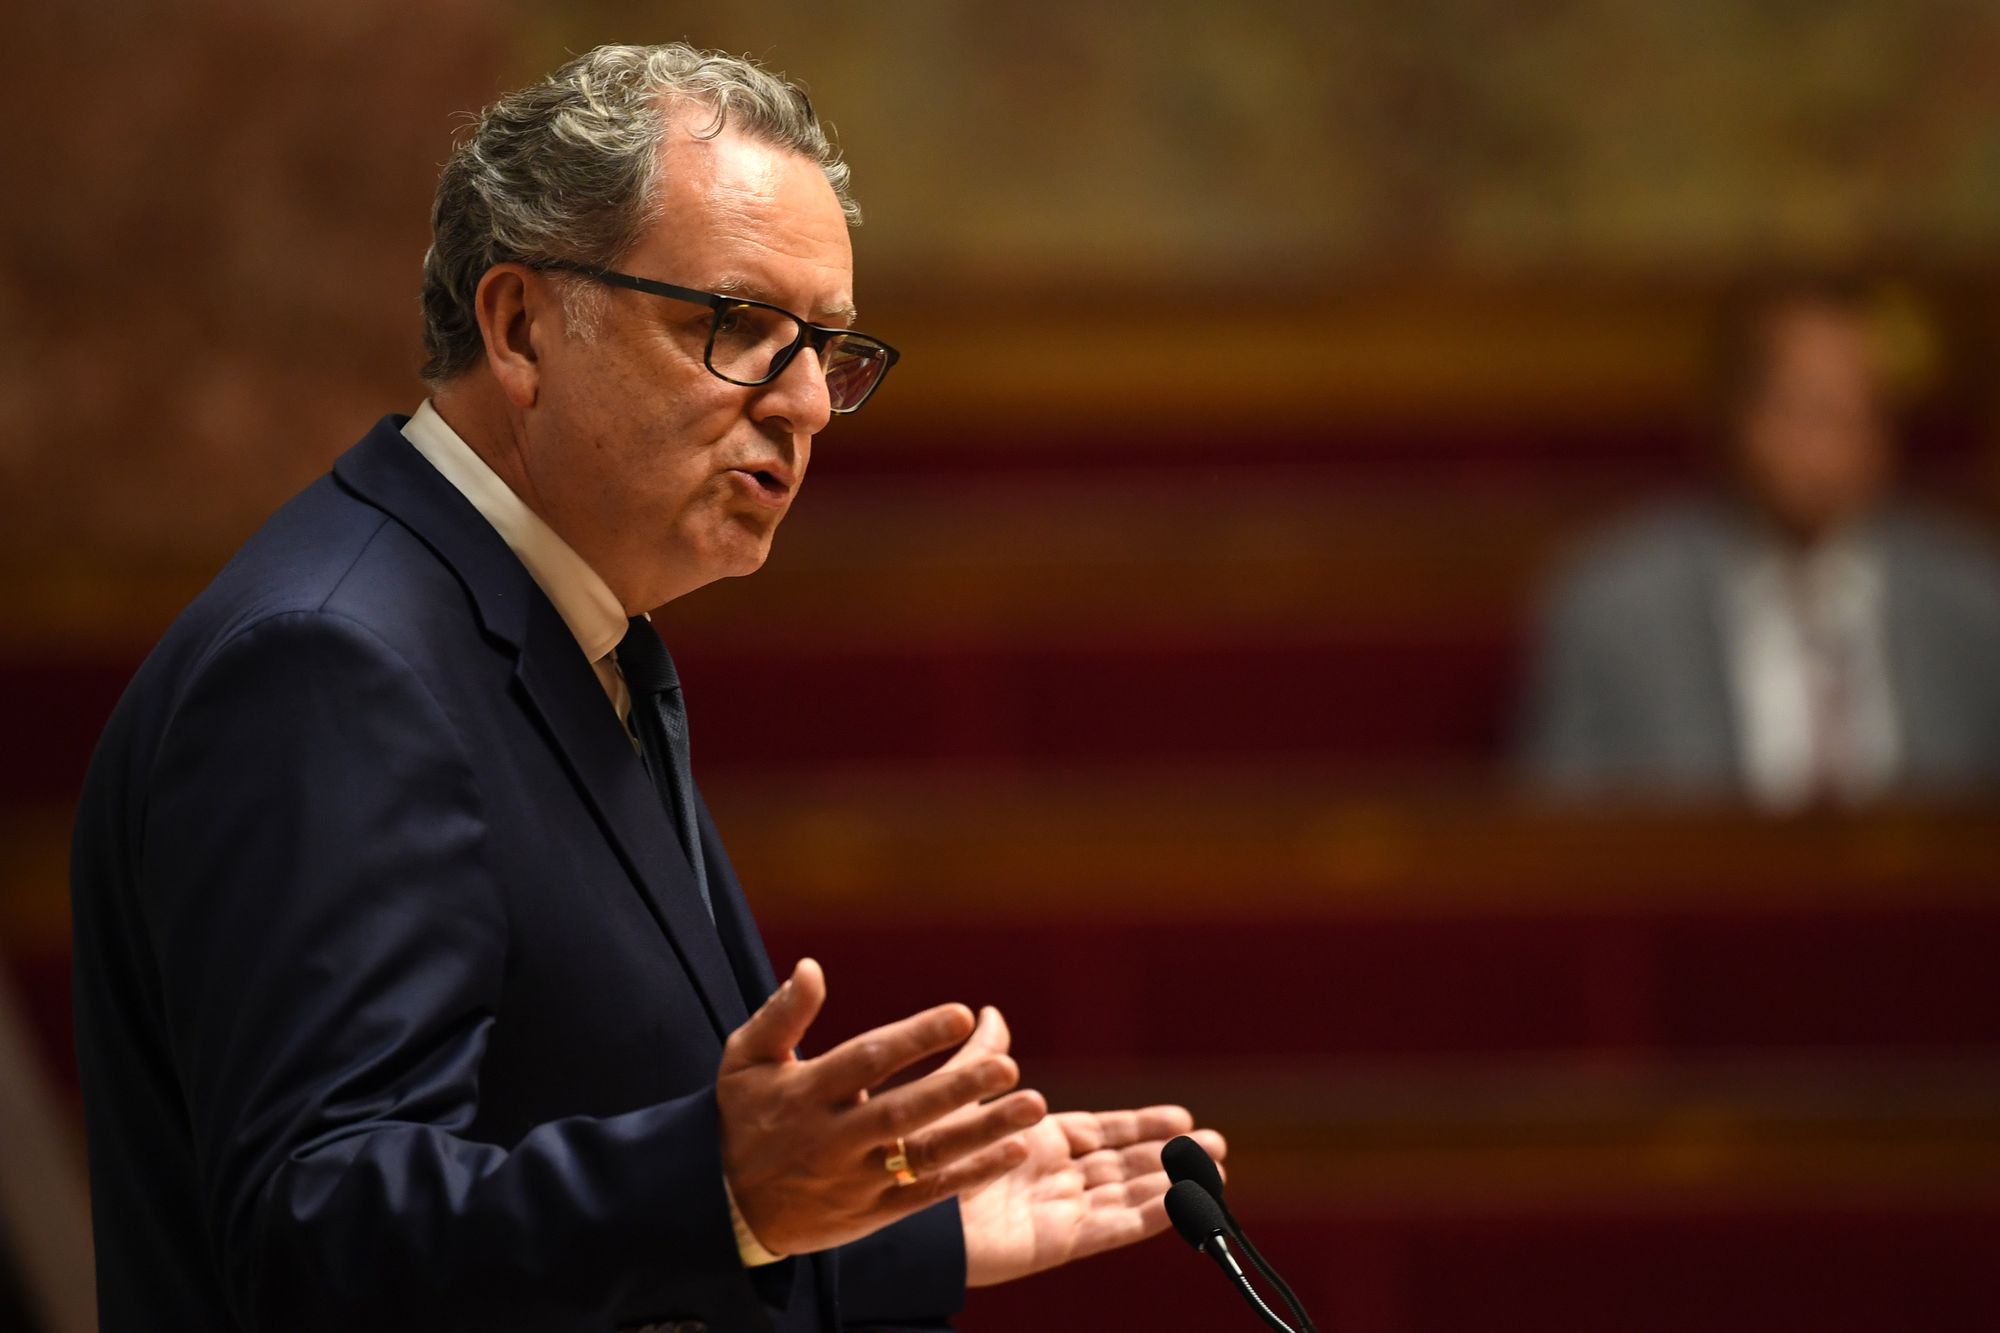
(1088, 1181)
(803, 1142)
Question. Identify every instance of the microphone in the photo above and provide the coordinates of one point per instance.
(1187, 1161)
(1198, 1217)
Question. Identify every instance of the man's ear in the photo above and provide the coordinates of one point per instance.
(518, 313)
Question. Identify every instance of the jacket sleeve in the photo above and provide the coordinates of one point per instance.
(331, 945)
(1564, 718)
(907, 1276)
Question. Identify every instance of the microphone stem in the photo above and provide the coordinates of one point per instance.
(1257, 1260)
(1264, 1311)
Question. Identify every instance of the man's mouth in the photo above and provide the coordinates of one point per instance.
(772, 484)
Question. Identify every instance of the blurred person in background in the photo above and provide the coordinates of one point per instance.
(414, 989)
(1801, 635)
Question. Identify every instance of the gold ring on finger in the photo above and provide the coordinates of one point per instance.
(897, 1164)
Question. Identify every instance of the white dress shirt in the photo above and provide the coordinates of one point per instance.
(1809, 669)
(581, 597)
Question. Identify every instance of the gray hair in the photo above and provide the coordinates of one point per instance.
(568, 169)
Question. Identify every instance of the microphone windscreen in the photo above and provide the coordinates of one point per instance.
(1194, 1213)
(1184, 1159)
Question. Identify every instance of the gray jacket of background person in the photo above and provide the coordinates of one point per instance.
(1630, 690)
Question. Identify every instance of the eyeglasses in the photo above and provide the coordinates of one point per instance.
(751, 342)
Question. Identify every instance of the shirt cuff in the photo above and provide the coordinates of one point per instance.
(747, 1245)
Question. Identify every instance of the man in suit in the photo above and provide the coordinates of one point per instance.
(414, 986)
(1801, 639)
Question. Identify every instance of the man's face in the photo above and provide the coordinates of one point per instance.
(1812, 439)
(661, 475)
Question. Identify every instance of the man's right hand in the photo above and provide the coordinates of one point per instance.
(803, 1142)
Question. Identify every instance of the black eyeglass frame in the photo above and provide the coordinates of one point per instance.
(819, 335)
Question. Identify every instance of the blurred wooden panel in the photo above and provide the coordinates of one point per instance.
(1264, 843)
(1526, 1135)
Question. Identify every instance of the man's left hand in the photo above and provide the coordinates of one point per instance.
(1092, 1181)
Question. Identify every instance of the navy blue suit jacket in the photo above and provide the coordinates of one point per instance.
(397, 1006)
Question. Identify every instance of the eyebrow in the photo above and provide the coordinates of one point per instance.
(743, 287)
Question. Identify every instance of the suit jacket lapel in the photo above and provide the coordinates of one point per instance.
(1920, 660)
(601, 759)
(559, 685)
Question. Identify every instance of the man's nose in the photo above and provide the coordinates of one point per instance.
(799, 396)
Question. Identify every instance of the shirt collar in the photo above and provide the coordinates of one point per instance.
(1841, 578)
(580, 596)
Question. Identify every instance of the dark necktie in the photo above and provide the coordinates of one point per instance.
(659, 717)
